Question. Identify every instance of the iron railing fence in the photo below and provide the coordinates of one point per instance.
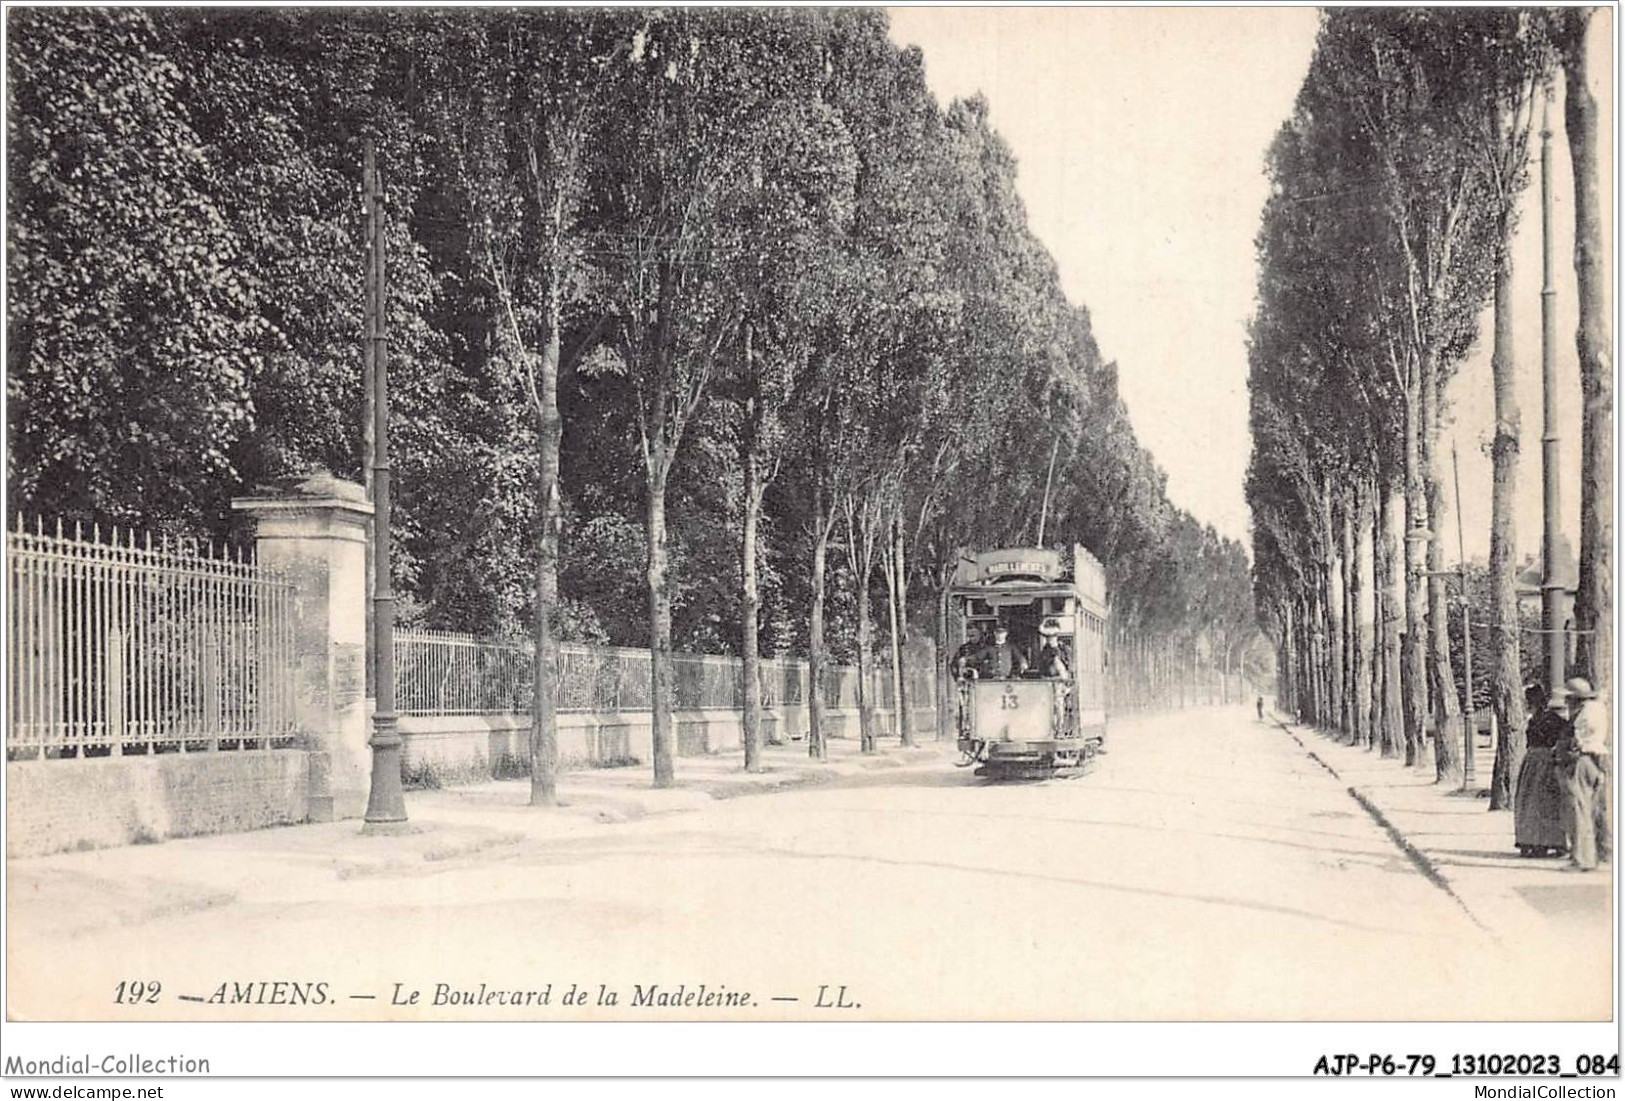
(918, 681)
(447, 673)
(117, 647)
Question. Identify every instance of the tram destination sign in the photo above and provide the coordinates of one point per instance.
(1001, 569)
(1016, 562)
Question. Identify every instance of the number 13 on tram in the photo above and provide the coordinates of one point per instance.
(1031, 664)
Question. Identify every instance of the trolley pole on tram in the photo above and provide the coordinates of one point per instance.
(386, 803)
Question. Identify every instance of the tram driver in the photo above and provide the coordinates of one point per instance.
(1003, 659)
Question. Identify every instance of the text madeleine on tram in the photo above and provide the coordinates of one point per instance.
(1031, 664)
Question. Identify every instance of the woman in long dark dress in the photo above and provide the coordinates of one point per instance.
(1537, 801)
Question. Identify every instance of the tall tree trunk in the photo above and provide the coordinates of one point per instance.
(1360, 690)
(750, 603)
(1332, 609)
(866, 665)
(544, 727)
(1309, 666)
(905, 705)
(1294, 659)
(1314, 633)
(1306, 659)
(895, 649)
(1383, 736)
(1394, 740)
(1506, 688)
(1283, 674)
(1308, 629)
(1593, 606)
(1299, 659)
(1447, 726)
(660, 679)
(1379, 607)
(817, 655)
(1342, 656)
(1325, 646)
(750, 611)
(1345, 556)
(1413, 670)
(943, 679)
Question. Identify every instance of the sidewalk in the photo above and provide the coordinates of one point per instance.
(1468, 850)
(599, 795)
(80, 892)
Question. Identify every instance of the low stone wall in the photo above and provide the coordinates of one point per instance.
(463, 748)
(58, 806)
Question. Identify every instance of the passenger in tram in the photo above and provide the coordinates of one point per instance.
(1052, 654)
(963, 665)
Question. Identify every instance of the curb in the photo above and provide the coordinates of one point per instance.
(1419, 859)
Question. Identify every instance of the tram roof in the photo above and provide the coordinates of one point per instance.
(1016, 575)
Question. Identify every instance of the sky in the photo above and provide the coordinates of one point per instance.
(1140, 137)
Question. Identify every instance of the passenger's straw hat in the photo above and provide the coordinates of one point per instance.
(1579, 688)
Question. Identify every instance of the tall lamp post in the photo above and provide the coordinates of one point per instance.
(386, 803)
(1551, 589)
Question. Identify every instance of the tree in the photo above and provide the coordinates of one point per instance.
(1593, 608)
(519, 111)
(1378, 180)
(1398, 72)
(133, 328)
(872, 386)
(1498, 77)
(689, 86)
(799, 201)
(743, 259)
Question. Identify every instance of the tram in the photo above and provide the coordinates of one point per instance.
(1031, 664)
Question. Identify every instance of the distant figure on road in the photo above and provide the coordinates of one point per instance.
(1261, 709)
(1586, 775)
(1537, 802)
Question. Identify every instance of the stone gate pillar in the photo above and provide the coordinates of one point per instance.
(315, 529)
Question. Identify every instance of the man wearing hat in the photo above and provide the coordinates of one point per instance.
(1051, 656)
(963, 663)
(1587, 774)
(1002, 659)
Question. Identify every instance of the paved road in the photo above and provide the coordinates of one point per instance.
(1206, 869)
